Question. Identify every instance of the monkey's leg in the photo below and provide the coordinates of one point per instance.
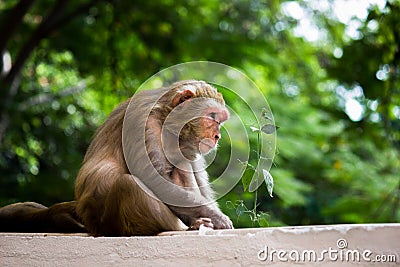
(129, 210)
(64, 218)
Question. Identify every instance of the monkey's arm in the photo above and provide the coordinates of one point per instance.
(193, 216)
(196, 185)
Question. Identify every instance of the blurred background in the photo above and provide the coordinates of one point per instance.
(330, 70)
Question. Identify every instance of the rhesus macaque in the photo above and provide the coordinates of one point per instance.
(144, 171)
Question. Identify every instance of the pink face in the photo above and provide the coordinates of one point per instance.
(210, 124)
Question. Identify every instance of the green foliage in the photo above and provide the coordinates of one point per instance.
(256, 218)
(328, 168)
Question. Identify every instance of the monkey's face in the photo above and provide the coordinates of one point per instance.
(209, 128)
(198, 132)
(197, 122)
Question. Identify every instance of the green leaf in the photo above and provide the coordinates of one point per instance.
(269, 181)
(262, 219)
(247, 176)
(269, 128)
(240, 210)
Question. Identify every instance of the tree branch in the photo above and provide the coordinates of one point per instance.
(53, 21)
(41, 32)
(12, 22)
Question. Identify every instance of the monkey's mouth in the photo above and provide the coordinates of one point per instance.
(206, 145)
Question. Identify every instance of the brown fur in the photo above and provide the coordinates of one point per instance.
(34, 217)
(114, 198)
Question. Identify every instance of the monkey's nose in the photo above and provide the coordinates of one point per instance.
(217, 137)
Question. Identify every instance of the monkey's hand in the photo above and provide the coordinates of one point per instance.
(205, 221)
(221, 221)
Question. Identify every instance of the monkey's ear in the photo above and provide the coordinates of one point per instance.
(181, 97)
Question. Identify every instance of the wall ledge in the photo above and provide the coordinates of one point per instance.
(322, 245)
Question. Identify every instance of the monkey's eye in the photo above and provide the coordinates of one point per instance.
(213, 116)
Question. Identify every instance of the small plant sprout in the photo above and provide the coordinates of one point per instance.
(268, 128)
(259, 217)
(251, 178)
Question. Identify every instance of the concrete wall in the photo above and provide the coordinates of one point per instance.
(328, 245)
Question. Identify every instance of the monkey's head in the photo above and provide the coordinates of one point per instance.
(196, 113)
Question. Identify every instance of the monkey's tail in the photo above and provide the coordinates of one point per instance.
(31, 217)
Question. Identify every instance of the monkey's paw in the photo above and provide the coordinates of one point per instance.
(222, 222)
(201, 221)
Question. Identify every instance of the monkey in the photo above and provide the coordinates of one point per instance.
(106, 190)
(144, 171)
